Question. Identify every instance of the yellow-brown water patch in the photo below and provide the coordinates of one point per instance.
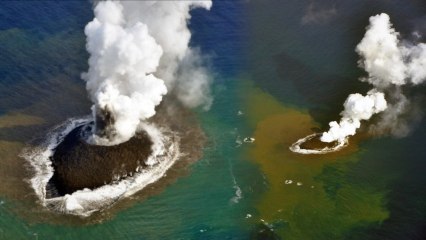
(12, 167)
(308, 196)
(17, 119)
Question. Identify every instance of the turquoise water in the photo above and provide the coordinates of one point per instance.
(301, 61)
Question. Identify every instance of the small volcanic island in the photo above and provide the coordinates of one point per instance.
(74, 176)
(316, 143)
(79, 165)
(312, 144)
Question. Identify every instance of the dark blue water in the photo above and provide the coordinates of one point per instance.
(300, 57)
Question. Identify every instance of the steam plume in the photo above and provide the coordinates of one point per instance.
(390, 64)
(357, 108)
(139, 51)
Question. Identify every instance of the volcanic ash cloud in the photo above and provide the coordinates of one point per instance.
(390, 64)
(139, 51)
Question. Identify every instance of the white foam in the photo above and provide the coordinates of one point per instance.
(238, 193)
(295, 147)
(165, 151)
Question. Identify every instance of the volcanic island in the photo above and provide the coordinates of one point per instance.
(80, 165)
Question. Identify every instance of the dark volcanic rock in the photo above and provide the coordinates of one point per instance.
(78, 165)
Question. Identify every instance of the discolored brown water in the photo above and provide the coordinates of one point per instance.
(305, 191)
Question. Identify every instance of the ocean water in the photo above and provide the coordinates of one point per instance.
(281, 69)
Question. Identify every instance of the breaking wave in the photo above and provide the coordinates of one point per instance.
(165, 151)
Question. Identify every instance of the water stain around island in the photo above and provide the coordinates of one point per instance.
(9, 150)
(307, 196)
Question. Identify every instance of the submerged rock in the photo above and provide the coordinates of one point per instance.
(79, 165)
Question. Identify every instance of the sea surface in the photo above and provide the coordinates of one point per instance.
(282, 69)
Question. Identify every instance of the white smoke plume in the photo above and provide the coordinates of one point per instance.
(139, 51)
(357, 108)
(180, 67)
(390, 63)
(391, 120)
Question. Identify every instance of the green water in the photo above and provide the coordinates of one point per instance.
(287, 73)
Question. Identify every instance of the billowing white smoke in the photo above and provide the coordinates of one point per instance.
(139, 51)
(389, 64)
(416, 68)
(180, 66)
(357, 108)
